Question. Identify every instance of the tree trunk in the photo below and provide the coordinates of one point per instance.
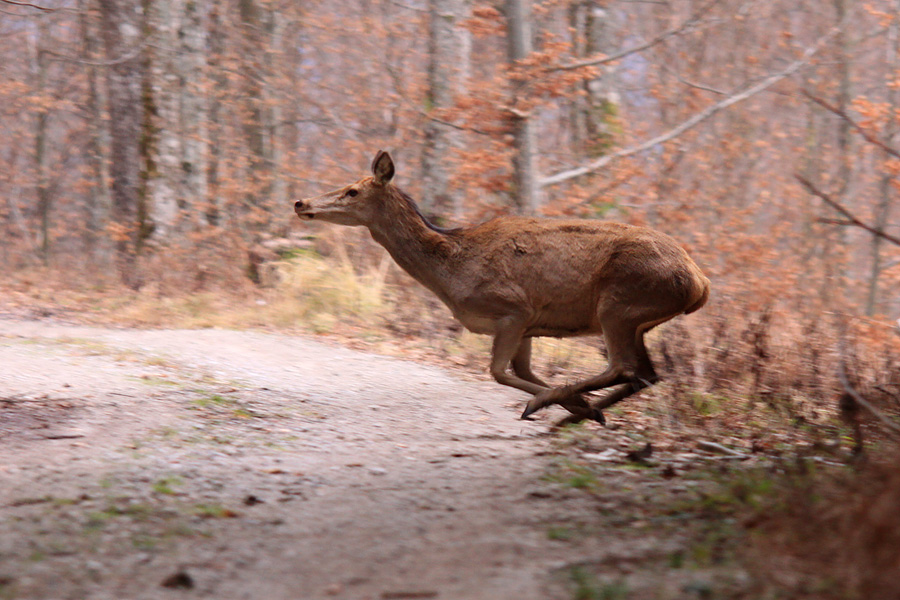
(213, 210)
(40, 139)
(253, 69)
(194, 110)
(836, 246)
(122, 26)
(97, 201)
(273, 117)
(179, 180)
(449, 47)
(518, 33)
(594, 111)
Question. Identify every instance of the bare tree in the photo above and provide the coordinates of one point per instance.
(519, 46)
(122, 22)
(449, 46)
(41, 116)
(255, 30)
(179, 180)
(593, 110)
(215, 125)
(97, 201)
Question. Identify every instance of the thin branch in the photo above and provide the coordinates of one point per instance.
(407, 6)
(868, 136)
(605, 59)
(29, 5)
(97, 63)
(692, 84)
(696, 119)
(851, 219)
(841, 222)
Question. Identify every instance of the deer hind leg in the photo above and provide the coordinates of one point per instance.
(644, 376)
(577, 404)
(626, 353)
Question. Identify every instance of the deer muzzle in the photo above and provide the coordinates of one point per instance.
(303, 210)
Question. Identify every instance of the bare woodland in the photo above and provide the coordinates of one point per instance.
(135, 129)
(160, 145)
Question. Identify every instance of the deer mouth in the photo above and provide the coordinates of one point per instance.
(303, 210)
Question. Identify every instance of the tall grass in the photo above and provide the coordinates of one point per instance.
(319, 293)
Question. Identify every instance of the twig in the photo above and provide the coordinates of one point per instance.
(409, 6)
(29, 5)
(851, 218)
(97, 63)
(696, 119)
(605, 59)
(868, 136)
(692, 84)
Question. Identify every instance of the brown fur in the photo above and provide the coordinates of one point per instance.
(517, 277)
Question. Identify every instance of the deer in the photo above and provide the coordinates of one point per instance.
(518, 277)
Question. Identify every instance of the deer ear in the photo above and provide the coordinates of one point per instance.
(383, 167)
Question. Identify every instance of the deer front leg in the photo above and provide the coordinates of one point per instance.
(507, 343)
(521, 363)
(569, 397)
(626, 351)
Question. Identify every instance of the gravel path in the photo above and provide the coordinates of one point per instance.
(234, 464)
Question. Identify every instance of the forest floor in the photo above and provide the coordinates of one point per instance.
(242, 464)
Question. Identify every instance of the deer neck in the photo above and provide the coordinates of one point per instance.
(421, 249)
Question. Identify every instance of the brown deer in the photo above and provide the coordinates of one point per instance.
(516, 278)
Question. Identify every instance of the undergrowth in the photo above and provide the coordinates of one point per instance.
(829, 535)
(768, 376)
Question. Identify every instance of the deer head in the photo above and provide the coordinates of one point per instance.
(354, 204)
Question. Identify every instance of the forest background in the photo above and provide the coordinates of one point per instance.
(152, 151)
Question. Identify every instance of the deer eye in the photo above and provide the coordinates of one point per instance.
(351, 192)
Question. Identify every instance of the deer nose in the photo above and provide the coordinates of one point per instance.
(298, 205)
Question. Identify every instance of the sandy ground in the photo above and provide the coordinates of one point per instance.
(234, 464)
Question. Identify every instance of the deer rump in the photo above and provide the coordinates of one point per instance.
(516, 278)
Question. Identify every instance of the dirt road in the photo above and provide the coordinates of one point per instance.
(235, 464)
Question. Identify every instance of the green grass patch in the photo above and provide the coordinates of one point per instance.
(166, 485)
(213, 511)
(586, 586)
(574, 475)
(560, 533)
(214, 400)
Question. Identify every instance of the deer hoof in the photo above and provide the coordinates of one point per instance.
(529, 410)
(543, 399)
(597, 415)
